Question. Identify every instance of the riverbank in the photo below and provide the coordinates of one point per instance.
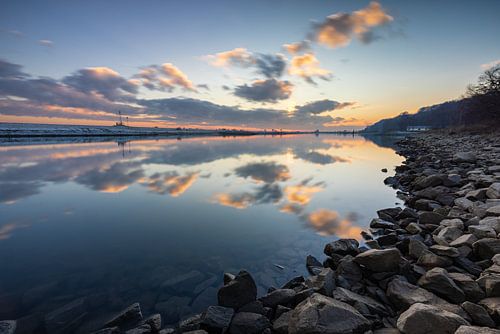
(352, 289)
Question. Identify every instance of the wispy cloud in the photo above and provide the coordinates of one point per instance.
(46, 42)
(490, 64)
(307, 67)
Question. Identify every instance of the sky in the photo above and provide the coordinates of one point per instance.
(316, 64)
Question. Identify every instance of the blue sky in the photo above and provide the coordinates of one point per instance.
(426, 53)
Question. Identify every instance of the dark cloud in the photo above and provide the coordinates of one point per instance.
(203, 86)
(270, 65)
(270, 90)
(9, 70)
(13, 191)
(318, 107)
(267, 172)
(225, 87)
(104, 81)
(113, 179)
(318, 158)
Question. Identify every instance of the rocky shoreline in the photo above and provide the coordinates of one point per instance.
(430, 267)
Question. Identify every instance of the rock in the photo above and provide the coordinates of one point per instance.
(429, 181)
(107, 330)
(183, 282)
(423, 319)
(8, 326)
(380, 260)
(154, 321)
(391, 181)
(403, 294)
(357, 300)
(68, 317)
(248, 323)
(228, 277)
(380, 223)
(349, 270)
(450, 233)
(467, 265)
(323, 282)
(486, 248)
(190, 323)
(280, 325)
(217, 318)
(312, 264)
(253, 307)
(430, 218)
(493, 190)
(285, 296)
(482, 231)
(476, 330)
(464, 203)
(437, 280)
(444, 251)
(342, 247)
(388, 239)
(431, 260)
(477, 194)
(464, 157)
(492, 306)
(478, 314)
(142, 329)
(469, 286)
(416, 248)
(493, 211)
(493, 222)
(492, 285)
(173, 309)
(464, 240)
(238, 292)
(413, 228)
(319, 314)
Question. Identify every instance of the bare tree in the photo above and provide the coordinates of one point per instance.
(484, 97)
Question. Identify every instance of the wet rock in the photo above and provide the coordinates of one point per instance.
(323, 282)
(380, 223)
(379, 260)
(285, 296)
(191, 323)
(342, 247)
(423, 319)
(437, 280)
(238, 292)
(217, 318)
(476, 330)
(8, 326)
(321, 315)
(478, 314)
(469, 286)
(248, 323)
(228, 277)
(486, 248)
(183, 282)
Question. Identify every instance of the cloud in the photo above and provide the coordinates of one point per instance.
(236, 57)
(307, 67)
(267, 193)
(203, 86)
(7, 229)
(339, 29)
(321, 106)
(485, 67)
(104, 81)
(10, 70)
(298, 47)
(238, 201)
(116, 178)
(164, 77)
(301, 194)
(319, 158)
(175, 77)
(270, 90)
(171, 182)
(46, 43)
(267, 172)
(328, 222)
(270, 66)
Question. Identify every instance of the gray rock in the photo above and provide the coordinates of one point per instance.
(248, 323)
(217, 318)
(478, 314)
(493, 211)
(238, 292)
(493, 222)
(482, 231)
(437, 280)
(464, 240)
(414, 228)
(431, 260)
(464, 157)
(416, 248)
(469, 286)
(280, 325)
(342, 247)
(380, 223)
(142, 329)
(430, 218)
(323, 282)
(492, 285)
(486, 248)
(380, 260)
(319, 314)
(423, 319)
(403, 294)
(450, 233)
(492, 306)
(349, 270)
(8, 326)
(493, 190)
(154, 321)
(476, 330)
(357, 300)
(312, 264)
(284, 296)
(464, 203)
(444, 251)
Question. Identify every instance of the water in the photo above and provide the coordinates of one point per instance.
(159, 221)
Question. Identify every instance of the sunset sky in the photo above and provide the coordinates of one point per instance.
(258, 64)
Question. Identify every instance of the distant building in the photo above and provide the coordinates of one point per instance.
(418, 128)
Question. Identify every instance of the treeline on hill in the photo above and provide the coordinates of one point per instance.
(480, 105)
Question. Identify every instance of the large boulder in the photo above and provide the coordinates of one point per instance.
(319, 314)
(380, 260)
(280, 296)
(438, 281)
(464, 157)
(468, 285)
(478, 314)
(423, 319)
(238, 292)
(323, 282)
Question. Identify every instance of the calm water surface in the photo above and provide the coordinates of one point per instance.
(159, 221)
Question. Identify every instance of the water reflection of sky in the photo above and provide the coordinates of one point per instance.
(123, 218)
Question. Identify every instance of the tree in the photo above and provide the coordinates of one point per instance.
(484, 97)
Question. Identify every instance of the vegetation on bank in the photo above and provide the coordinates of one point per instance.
(479, 107)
